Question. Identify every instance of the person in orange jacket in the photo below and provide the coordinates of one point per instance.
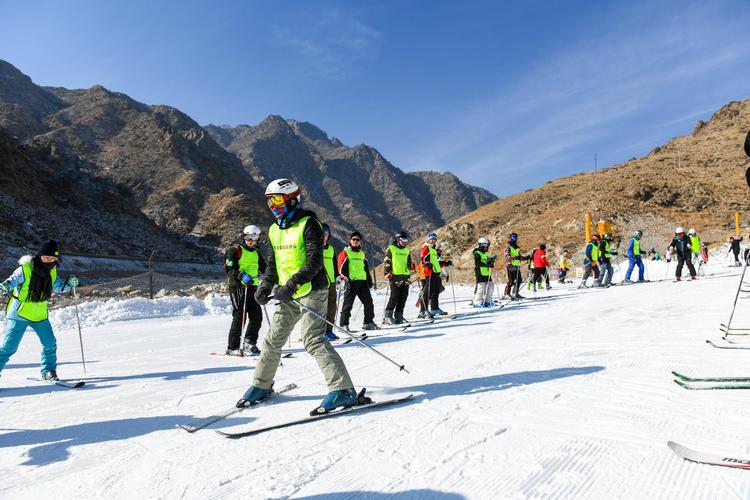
(429, 274)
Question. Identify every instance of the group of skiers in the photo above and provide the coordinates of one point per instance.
(302, 274)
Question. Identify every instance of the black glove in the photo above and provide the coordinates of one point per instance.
(262, 295)
(448, 262)
(284, 293)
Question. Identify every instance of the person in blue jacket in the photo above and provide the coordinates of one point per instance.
(30, 287)
(634, 257)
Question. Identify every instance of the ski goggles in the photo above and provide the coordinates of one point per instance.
(276, 200)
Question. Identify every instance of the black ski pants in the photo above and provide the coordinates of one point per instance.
(539, 273)
(238, 296)
(431, 288)
(399, 292)
(514, 280)
(687, 262)
(357, 289)
(332, 306)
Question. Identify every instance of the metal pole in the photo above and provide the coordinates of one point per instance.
(353, 337)
(80, 335)
(453, 290)
(736, 296)
(244, 318)
(385, 304)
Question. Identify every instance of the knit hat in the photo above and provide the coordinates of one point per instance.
(49, 248)
(357, 234)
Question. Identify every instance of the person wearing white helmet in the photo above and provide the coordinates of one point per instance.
(243, 265)
(483, 266)
(682, 248)
(295, 275)
(634, 257)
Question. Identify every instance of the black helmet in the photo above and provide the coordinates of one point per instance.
(542, 247)
(326, 228)
(607, 236)
(401, 236)
(513, 237)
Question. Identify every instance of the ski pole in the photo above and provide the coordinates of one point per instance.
(453, 290)
(385, 303)
(244, 315)
(736, 296)
(353, 337)
(80, 335)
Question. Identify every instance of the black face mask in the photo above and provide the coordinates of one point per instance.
(40, 287)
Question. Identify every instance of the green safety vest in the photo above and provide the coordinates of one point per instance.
(516, 254)
(290, 253)
(32, 311)
(636, 246)
(248, 263)
(594, 252)
(484, 270)
(328, 263)
(399, 260)
(356, 264)
(695, 244)
(607, 253)
(434, 260)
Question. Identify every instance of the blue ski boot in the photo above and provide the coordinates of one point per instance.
(342, 398)
(438, 312)
(331, 336)
(253, 396)
(489, 304)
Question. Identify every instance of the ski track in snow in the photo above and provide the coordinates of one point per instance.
(566, 396)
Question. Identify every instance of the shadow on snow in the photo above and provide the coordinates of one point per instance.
(376, 495)
(502, 382)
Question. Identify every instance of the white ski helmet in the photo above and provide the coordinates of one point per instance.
(483, 242)
(692, 231)
(679, 229)
(283, 186)
(251, 232)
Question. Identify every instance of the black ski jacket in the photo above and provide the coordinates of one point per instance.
(682, 247)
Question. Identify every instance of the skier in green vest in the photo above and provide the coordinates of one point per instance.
(243, 265)
(294, 270)
(329, 254)
(696, 247)
(353, 268)
(397, 268)
(30, 286)
(591, 261)
(483, 265)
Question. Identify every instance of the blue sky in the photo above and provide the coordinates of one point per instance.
(506, 94)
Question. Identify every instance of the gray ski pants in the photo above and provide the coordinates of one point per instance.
(313, 337)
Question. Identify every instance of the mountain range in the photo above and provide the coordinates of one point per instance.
(106, 174)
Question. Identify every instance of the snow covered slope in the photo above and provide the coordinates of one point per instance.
(566, 396)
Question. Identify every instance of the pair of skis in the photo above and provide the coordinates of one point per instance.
(710, 383)
(289, 423)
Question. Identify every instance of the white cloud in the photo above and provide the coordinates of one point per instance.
(587, 91)
(331, 43)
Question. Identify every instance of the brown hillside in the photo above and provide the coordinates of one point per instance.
(696, 181)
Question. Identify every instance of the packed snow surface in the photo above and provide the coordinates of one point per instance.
(566, 396)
